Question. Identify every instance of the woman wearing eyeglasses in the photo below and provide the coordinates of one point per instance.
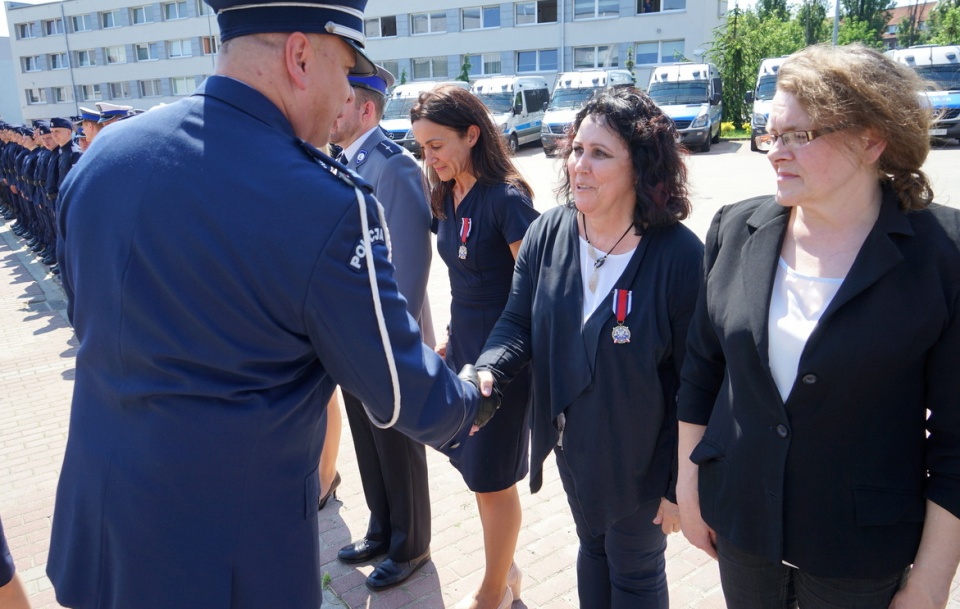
(828, 327)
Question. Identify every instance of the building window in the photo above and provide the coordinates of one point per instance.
(380, 27)
(480, 17)
(211, 45)
(119, 90)
(179, 48)
(88, 58)
(36, 96)
(592, 9)
(30, 64)
(81, 23)
(141, 14)
(665, 51)
(427, 68)
(25, 30)
(203, 9)
(543, 60)
(392, 66)
(53, 27)
(61, 95)
(603, 56)
(544, 11)
(115, 54)
(150, 88)
(144, 52)
(484, 65)
(109, 19)
(184, 85)
(58, 61)
(175, 10)
(90, 93)
(428, 23)
(674, 5)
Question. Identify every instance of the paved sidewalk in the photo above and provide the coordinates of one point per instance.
(37, 351)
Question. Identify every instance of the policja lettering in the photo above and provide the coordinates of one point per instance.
(360, 249)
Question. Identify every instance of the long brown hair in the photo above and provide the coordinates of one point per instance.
(456, 108)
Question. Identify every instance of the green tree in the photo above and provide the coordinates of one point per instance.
(773, 8)
(943, 26)
(908, 30)
(856, 30)
(464, 74)
(403, 76)
(876, 14)
(812, 18)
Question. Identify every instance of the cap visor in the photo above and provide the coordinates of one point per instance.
(363, 66)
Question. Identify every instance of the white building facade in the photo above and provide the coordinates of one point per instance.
(78, 52)
(430, 39)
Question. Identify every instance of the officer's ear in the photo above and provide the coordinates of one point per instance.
(297, 54)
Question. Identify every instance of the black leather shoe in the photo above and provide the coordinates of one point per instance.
(362, 551)
(390, 573)
(330, 491)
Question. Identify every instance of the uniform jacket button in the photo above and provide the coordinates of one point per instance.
(782, 431)
(809, 379)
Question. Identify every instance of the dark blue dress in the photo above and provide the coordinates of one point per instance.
(6, 560)
(496, 457)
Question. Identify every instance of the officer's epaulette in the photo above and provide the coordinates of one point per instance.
(388, 148)
(341, 171)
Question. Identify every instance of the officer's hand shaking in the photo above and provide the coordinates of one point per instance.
(489, 396)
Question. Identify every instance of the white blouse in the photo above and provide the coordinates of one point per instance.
(607, 276)
(796, 305)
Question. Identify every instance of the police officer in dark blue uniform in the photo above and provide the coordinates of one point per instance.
(222, 280)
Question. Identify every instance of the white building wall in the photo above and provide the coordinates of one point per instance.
(9, 100)
(693, 24)
(75, 77)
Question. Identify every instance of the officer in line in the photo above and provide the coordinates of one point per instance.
(90, 123)
(6, 144)
(111, 113)
(25, 161)
(222, 280)
(46, 248)
(393, 467)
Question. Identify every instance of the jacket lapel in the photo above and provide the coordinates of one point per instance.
(758, 259)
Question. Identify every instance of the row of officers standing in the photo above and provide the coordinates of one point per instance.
(35, 160)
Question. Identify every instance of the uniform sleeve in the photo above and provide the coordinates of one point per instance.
(943, 424)
(371, 346)
(704, 363)
(513, 212)
(400, 190)
(508, 348)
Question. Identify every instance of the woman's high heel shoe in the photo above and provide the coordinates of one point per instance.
(514, 577)
(331, 492)
(505, 603)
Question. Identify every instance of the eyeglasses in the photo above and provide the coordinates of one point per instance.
(791, 140)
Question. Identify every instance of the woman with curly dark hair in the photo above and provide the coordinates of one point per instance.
(602, 295)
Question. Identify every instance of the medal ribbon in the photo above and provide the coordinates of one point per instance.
(465, 225)
(622, 303)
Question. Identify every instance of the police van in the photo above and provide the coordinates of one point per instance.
(940, 65)
(572, 90)
(692, 95)
(396, 114)
(516, 104)
(761, 97)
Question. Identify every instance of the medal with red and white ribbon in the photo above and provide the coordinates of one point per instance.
(622, 303)
(465, 225)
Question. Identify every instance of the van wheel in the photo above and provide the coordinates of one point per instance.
(753, 145)
(513, 143)
(716, 138)
(706, 145)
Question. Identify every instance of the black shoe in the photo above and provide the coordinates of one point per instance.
(389, 573)
(49, 260)
(31, 242)
(55, 269)
(330, 491)
(362, 551)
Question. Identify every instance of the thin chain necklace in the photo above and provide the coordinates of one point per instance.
(598, 260)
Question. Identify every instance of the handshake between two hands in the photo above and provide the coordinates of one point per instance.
(489, 395)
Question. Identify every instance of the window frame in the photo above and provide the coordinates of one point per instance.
(189, 83)
(61, 99)
(536, 12)
(660, 46)
(430, 18)
(122, 54)
(210, 45)
(596, 10)
(114, 19)
(179, 42)
(35, 96)
(539, 63)
(483, 63)
(124, 88)
(432, 59)
(155, 84)
(26, 30)
(596, 56)
(91, 54)
(95, 92)
(146, 10)
(85, 19)
(177, 4)
(47, 29)
(62, 58)
(151, 56)
(30, 63)
(379, 21)
(482, 17)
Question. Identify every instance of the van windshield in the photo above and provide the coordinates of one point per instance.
(672, 93)
(398, 107)
(945, 77)
(766, 87)
(497, 103)
(570, 98)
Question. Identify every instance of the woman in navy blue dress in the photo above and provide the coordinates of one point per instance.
(483, 208)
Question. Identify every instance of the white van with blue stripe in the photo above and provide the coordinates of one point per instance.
(516, 104)
(692, 95)
(939, 65)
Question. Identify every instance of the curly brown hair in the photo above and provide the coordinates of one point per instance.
(858, 88)
(660, 174)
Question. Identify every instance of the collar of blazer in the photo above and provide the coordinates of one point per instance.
(761, 251)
